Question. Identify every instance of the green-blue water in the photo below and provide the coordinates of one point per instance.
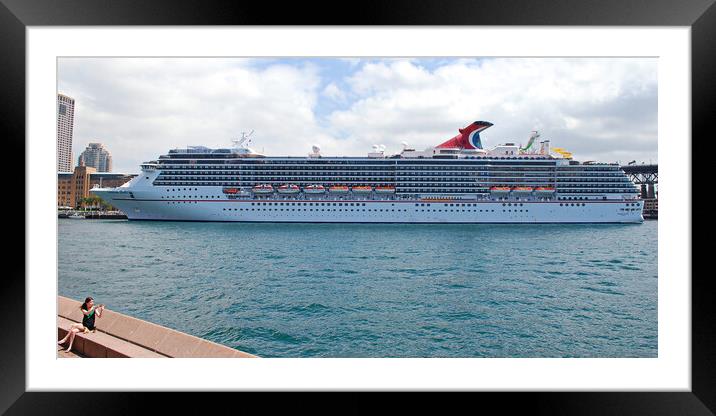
(361, 290)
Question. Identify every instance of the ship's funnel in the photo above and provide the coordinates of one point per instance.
(469, 137)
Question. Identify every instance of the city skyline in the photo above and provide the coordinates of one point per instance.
(602, 109)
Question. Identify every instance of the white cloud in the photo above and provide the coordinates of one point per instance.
(333, 92)
(140, 108)
(600, 109)
(597, 108)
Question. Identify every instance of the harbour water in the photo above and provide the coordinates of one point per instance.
(383, 290)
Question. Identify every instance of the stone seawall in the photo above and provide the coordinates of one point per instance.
(122, 336)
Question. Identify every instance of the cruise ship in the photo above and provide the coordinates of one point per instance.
(457, 181)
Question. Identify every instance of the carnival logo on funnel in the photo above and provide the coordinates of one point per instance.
(474, 139)
(469, 137)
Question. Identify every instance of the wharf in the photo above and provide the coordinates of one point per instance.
(122, 336)
(89, 215)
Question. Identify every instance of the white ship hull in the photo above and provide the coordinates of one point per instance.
(154, 203)
(189, 184)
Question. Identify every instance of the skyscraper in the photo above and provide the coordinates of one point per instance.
(97, 157)
(65, 124)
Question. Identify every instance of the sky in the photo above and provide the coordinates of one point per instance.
(602, 109)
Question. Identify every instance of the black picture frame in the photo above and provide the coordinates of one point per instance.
(16, 15)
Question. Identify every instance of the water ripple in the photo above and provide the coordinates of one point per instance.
(390, 290)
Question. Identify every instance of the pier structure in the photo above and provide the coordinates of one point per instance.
(646, 177)
(122, 336)
(92, 215)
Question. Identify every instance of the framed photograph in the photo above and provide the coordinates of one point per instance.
(465, 205)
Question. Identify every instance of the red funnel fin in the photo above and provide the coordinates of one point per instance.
(466, 139)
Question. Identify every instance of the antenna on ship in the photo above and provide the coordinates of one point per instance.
(244, 139)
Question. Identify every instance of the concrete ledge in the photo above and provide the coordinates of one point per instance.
(120, 335)
(101, 345)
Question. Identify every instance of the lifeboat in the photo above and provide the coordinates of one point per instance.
(289, 189)
(314, 189)
(544, 190)
(262, 189)
(385, 189)
(500, 190)
(231, 191)
(522, 190)
(362, 189)
(338, 189)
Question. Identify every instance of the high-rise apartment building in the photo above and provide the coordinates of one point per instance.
(96, 156)
(65, 125)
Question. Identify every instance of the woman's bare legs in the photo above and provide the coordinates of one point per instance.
(73, 331)
(69, 332)
(72, 337)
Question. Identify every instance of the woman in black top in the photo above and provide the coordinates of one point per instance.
(89, 311)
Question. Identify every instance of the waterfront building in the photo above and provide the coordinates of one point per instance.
(96, 156)
(72, 187)
(65, 126)
(651, 208)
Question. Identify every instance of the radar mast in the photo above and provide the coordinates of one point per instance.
(244, 141)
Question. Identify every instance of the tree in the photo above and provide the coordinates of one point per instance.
(92, 201)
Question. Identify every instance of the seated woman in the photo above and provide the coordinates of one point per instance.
(89, 311)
